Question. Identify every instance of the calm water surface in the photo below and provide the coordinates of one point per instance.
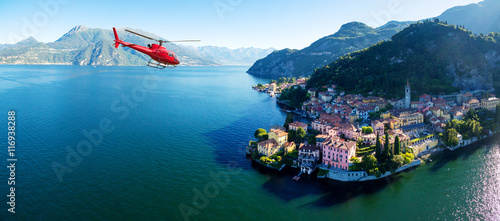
(181, 145)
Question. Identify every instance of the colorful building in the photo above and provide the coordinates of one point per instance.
(281, 137)
(338, 152)
(295, 126)
(308, 157)
(268, 147)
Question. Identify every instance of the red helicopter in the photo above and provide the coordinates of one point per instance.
(160, 56)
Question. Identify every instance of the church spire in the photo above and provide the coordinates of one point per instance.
(407, 82)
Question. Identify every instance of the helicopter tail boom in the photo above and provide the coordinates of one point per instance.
(117, 40)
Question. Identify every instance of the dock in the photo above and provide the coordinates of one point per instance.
(296, 178)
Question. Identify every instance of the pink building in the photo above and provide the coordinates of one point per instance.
(349, 131)
(337, 152)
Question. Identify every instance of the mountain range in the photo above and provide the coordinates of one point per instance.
(93, 46)
(351, 37)
(435, 57)
(480, 18)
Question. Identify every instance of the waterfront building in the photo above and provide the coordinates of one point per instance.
(308, 157)
(268, 147)
(338, 152)
(272, 87)
(281, 137)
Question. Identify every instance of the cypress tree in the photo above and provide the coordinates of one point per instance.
(288, 120)
(378, 150)
(397, 148)
(386, 152)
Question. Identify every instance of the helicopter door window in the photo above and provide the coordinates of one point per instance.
(170, 54)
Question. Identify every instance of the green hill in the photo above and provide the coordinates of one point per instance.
(350, 37)
(436, 58)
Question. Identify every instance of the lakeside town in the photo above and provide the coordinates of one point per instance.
(359, 138)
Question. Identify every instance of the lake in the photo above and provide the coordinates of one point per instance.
(133, 143)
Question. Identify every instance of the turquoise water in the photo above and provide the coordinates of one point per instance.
(178, 145)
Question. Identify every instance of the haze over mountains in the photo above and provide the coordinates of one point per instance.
(93, 46)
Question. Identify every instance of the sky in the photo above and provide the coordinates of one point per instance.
(229, 23)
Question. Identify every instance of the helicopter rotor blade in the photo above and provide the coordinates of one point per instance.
(161, 41)
(181, 41)
(144, 36)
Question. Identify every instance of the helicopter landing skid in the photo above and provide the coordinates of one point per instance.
(158, 65)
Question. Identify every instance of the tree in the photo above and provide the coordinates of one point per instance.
(397, 148)
(378, 150)
(288, 120)
(472, 114)
(260, 134)
(389, 106)
(387, 127)
(396, 162)
(367, 130)
(450, 137)
(301, 133)
(354, 160)
(291, 135)
(369, 163)
(408, 158)
(360, 141)
(342, 136)
(311, 139)
(386, 154)
(497, 114)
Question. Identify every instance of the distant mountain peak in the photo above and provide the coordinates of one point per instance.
(482, 17)
(28, 41)
(353, 29)
(78, 28)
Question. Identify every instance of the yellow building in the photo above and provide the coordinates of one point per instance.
(490, 103)
(268, 147)
(288, 147)
(385, 115)
(408, 118)
(404, 140)
(281, 137)
(272, 87)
